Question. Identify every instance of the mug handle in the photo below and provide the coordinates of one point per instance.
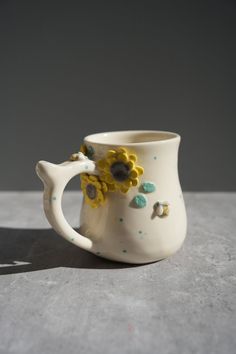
(55, 178)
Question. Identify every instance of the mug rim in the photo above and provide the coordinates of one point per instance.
(169, 137)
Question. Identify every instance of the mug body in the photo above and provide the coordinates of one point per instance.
(142, 219)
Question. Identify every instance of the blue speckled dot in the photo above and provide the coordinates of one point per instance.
(140, 201)
(148, 187)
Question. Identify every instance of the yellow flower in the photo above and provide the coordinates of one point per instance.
(93, 190)
(119, 170)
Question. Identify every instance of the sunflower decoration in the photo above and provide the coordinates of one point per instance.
(119, 170)
(87, 151)
(93, 189)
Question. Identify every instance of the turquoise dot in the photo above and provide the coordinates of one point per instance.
(140, 201)
(148, 187)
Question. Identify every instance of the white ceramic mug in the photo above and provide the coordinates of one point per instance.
(133, 209)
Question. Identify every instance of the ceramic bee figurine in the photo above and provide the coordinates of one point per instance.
(161, 209)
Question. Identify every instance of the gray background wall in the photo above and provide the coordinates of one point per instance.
(70, 68)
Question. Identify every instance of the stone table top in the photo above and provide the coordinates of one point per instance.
(57, 298)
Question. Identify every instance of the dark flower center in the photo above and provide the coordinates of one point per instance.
(91, 191)
(120, 171)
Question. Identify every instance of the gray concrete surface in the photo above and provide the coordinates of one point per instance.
(56, 298)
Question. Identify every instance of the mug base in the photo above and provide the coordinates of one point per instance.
(135, 259)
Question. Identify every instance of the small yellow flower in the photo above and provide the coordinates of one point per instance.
(93, 189)
(119, 170)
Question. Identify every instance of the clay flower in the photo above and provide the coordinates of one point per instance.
(119, 170)
(93, 189)
(87, 151)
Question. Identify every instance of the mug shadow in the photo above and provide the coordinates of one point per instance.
(27, 250)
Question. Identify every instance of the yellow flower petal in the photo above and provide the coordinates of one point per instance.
(134, 173)
(83, 186)
(92, 178)
(121, 149)
(97, 185)
(124, 189)
(140, 170)
(100, 196)
(111, 153)
(101, 164)
(87, 199)
(130, 164)
(133, 157)
(134, 182)
(111, 160)
(107, 170)
(122, 157)
(109, 179)
(128, 183)
(83, 181)
(84, 176)
(111, 187)
(104, 187)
